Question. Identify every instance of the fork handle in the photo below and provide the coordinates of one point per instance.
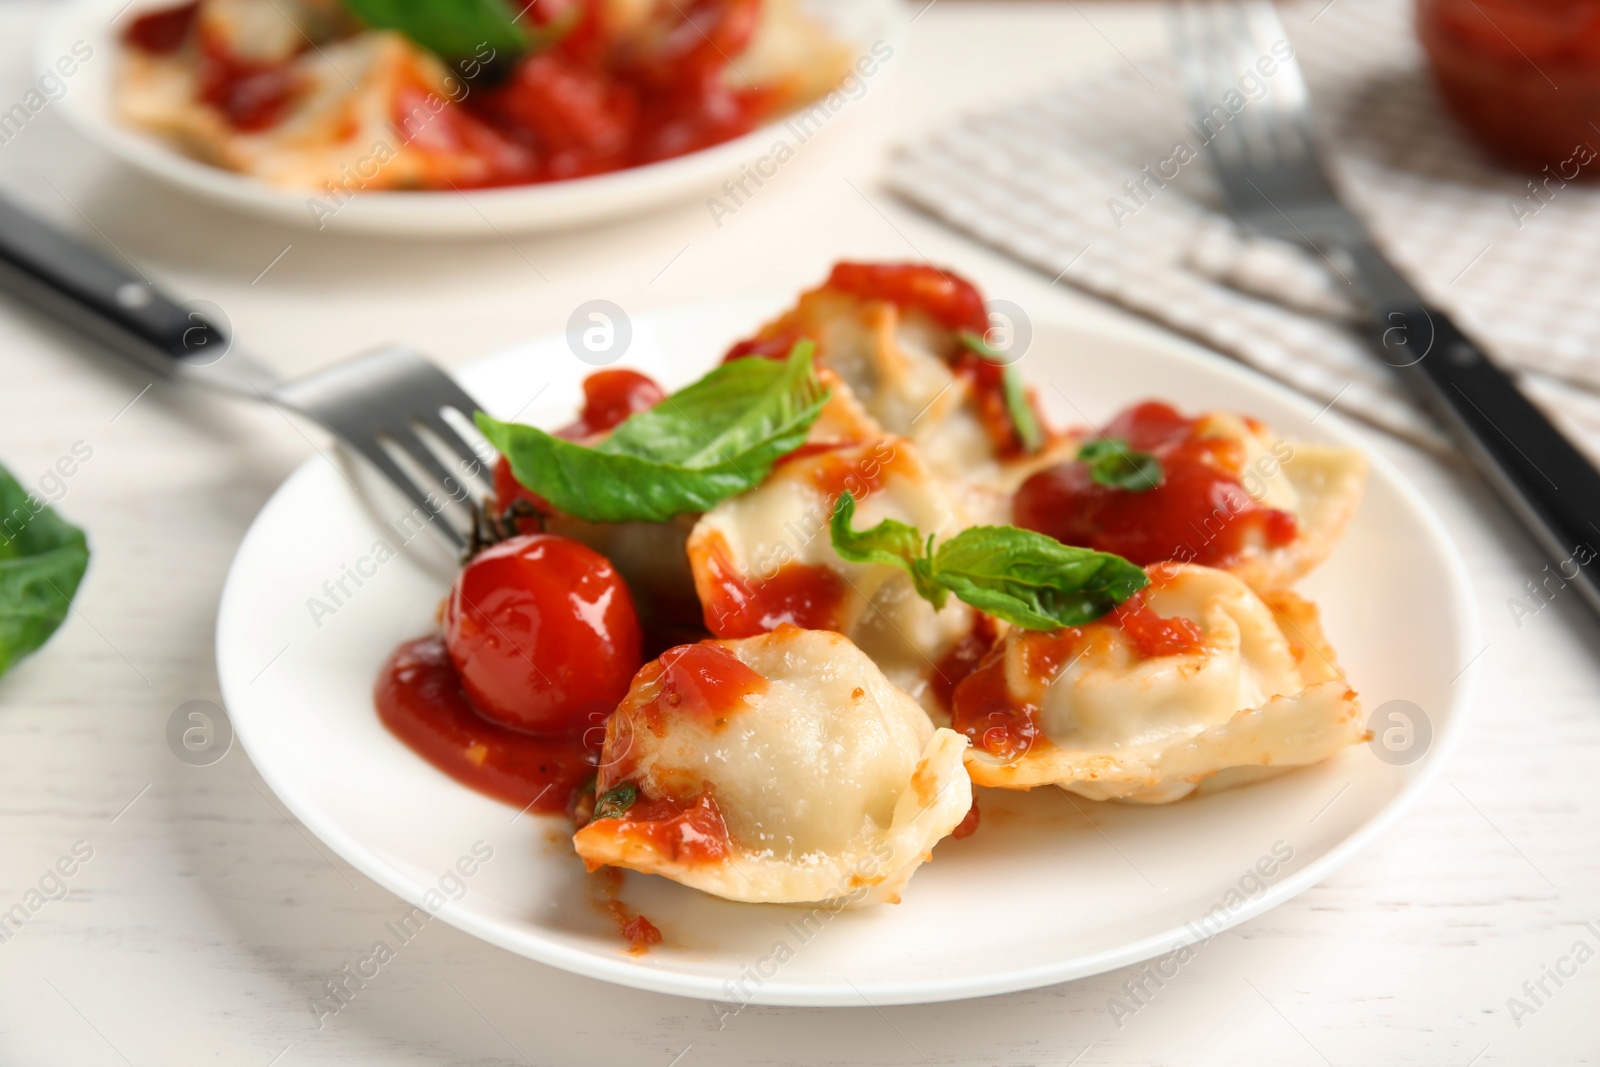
(89, 292)
(1548, 483)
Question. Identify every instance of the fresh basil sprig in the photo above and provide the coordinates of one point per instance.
(452, 29)
(42, 560)
(614, 802)
(1022, 414)
(1114, 464)
(707, 442)
(1023, 577)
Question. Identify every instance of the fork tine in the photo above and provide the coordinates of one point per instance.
(374, 453)
(449, 436)
(455, 488)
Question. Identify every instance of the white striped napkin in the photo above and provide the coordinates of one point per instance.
(1061, 183)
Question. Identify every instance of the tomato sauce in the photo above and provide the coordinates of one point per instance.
(640, 933)
(984, 709)
(705, 680)
(962, 659)
(420, 699)
(968, 824)
(998, 721)
(693, 832)
(1201, 512)
(1152, 634)
(945, 297)
(583, 103)
(162, 32)
(810, 597)
(950, 301)
(1523, 76)
(251, 96)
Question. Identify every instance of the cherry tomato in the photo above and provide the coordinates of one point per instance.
(544, 633)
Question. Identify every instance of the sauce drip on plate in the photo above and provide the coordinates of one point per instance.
(420, 699)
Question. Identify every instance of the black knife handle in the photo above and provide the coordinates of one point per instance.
(1549, 484)
(91, 293)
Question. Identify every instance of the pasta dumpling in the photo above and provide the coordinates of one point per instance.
(1197, 683)
(900, 337)
(765, 557)
(1232, 495)
(783, 768)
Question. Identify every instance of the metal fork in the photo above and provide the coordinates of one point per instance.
(381, 404)
(1265, 160)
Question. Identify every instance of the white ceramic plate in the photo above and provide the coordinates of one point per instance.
(1049, 889)
(552, 205)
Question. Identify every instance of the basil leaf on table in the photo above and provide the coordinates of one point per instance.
(1023, 577)
(707, 442)
(1113, 463)
(451, 29)
(42, 560)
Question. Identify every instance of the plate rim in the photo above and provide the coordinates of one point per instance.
(809, 994)
(541, 206)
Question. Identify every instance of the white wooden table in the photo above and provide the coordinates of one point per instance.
(206, 919)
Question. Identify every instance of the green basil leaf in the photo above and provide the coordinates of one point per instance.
(451, 29)
(712, 440)
(1113, 463)
(1023, 418)
(42, 560)
(891, 541)
(1022, 414)
(614, 802)
(980, 344)
(1025, 578)
(1032, 580)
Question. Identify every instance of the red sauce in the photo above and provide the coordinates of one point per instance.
(1522, 75)
(984, 709)
(946, 297)
(968, 824)
(777, 346)
(588, 104)
(162, 32)
(609, 398)
(1152, 634)
(962, 659)
(836, 470)
(705, 680)
(735, 605)
(420, 700)
(694, 832)
(252, 96)
(640, 933)
(1200, 514)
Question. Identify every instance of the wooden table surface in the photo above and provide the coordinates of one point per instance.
(203, 919)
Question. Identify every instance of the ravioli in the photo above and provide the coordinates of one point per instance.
(911, 373)
(1233, 495)
(313, 100)
(783, 768)
(765, 557)
(1320, 485)
(1198, 684)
